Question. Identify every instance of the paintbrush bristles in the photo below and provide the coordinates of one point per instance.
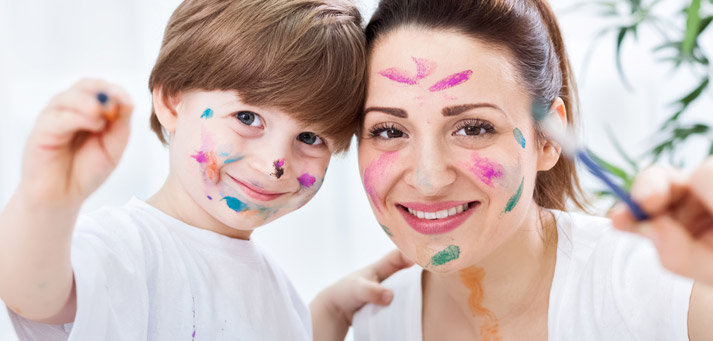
(556, 130)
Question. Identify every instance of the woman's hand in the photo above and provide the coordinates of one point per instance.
(681, 223)
(334, 307)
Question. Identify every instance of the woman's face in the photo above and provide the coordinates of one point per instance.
(448, 152)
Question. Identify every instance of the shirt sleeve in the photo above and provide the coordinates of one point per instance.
(112, 299)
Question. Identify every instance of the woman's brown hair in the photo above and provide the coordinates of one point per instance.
(304, 57)
(529, 30)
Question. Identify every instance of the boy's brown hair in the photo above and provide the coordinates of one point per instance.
(304, 57)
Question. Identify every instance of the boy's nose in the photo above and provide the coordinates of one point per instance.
(278, 168)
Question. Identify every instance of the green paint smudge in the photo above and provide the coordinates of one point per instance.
(452, 252)
(519, 138)
(386, 229)
(515, 198)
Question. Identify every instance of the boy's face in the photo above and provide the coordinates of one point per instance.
(244, 165)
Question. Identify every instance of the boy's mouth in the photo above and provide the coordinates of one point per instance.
(256, 192)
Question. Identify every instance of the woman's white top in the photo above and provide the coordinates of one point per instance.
(608, 285)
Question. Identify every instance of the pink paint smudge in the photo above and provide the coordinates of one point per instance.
(200, 156)
(375, 173)
(451, 81)
(398, 75)
(306, 180)
(424, 68)
(280, 163)
(485, 169)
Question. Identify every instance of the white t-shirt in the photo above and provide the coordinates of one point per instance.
(143, 275)
(608, 285)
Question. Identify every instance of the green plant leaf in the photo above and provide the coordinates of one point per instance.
(686, 101)
(619, 40)
(693, 22)
(621, 150)
(683, 133)
(612, 169)
(710, 152)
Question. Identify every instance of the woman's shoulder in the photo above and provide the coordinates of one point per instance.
(401, 320)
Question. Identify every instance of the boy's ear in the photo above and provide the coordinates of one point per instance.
(549, 152)
(165, 109)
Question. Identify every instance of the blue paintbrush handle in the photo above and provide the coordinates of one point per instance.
(595, 169)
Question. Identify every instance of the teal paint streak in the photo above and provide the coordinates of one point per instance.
(519, 138)
(452, 252)
(515, 198)
(386, 229)
(208, 113)
(234, 159)
(235, 204)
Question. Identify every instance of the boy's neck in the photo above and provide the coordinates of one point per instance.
(173, 200)
(507, 288)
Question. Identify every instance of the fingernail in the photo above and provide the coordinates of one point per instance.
(387, 296)
(647, 230)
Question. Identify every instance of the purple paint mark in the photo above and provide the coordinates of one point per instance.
(398, 75)
(280, 163)
(424, 67)
(201, 157)
(194, 317)
(278, 168)
(306, 180)
(375, 173)
(451, 81)
(486, 170)
(209, 197)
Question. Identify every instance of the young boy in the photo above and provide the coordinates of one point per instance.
(252, 98)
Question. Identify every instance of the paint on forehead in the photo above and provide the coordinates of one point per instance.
(386, 229)
(485, 170)
(398, 75)
(208, 113)
(519, 138)
(374, 175)
(451, 81)
(450, 253)
(472, 278)
(424, 67)
(515, 198)
(306, 180)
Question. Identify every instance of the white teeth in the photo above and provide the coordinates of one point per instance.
(440, 214)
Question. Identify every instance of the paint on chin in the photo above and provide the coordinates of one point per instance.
(472, 278)
(386, 230)
(450, 253)
(515, 198)
(231, 197)
(306, 180)
(485, 170)
(519, 138)
(374, 175)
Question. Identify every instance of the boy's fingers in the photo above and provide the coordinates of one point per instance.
(65, 123)
(389, 264)
(75, 100)
(372, 292)
(679, 251)
(701, 184)
(657, 187)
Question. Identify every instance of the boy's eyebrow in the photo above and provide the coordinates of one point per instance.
(391, 111)
(459, 109)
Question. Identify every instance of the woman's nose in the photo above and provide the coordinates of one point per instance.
(430, 173)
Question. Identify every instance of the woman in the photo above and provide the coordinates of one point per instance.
(462, 180)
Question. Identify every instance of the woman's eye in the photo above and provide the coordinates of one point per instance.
(309, 138)
(386, 132)
(471, 131)
(249, 118)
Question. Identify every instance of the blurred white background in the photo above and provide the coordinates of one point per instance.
(45, 46)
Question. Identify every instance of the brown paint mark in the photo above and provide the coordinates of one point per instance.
(278, 168)
(472, 278)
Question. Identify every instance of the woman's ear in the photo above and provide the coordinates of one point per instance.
(549, 152)
(165, 109)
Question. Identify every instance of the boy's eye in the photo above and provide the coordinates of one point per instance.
(309, 138)
(249, 118)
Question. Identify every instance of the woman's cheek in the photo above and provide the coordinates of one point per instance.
(377, 175)
(502, 181)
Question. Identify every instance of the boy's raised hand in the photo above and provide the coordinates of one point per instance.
(334, 307)
(77, 142)
(681, 223)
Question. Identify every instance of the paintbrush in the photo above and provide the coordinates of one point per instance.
(571, 148)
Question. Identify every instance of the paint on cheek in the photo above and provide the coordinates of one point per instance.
(486, 170)
(515, 198)
(209, 164)
(518, 137)
(306, 180)
(452, 252)
(233, 159)
(386, 229)
(472, 278)
(208, 113)
(451, 81)
(375, 173)
(235, 204)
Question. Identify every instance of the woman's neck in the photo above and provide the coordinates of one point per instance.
(504, 293)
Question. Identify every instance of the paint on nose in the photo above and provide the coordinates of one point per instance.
(278, 168)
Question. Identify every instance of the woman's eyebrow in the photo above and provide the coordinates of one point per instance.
(459, 109)
(391, 111)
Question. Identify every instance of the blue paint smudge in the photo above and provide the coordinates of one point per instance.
(518, 137)
(231, 160)
(224, 154)
(235, 204)
(208, 113)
